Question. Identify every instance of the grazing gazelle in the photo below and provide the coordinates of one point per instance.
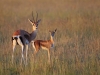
(23, 38)
(44, 44)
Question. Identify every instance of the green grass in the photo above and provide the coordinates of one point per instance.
(77, 41)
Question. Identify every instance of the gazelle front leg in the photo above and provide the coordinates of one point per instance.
(35, 49)
(34, 56)
(49, 55)
(26, 53)
(23, 50)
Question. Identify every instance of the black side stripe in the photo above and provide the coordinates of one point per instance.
(21, 40)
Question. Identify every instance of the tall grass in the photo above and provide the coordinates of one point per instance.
(77, 41)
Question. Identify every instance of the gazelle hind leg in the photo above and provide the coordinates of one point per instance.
(14, 44)
(13, 53)
(21, 43)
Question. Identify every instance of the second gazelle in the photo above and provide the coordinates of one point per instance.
(44, 44)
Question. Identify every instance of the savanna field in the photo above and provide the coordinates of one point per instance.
(77, 40)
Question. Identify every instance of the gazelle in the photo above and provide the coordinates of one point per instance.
(44, 44)
(23, 38)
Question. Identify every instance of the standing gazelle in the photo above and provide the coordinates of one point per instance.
(44, 44)
(23, 38)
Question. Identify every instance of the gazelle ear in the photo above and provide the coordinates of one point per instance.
(30, 21)
(38, 20)
(55, 30)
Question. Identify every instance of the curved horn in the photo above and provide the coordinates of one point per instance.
(30, 21)
(33, 17)
(37, 17)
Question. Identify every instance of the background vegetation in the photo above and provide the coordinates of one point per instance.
(77, 41)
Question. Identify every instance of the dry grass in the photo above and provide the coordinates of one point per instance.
(77, 41)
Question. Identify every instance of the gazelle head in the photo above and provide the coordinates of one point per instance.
(52, 33)
(34, 23)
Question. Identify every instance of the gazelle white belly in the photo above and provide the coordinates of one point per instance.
(44, 48)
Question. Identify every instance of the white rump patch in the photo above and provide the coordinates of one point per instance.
(14, 41)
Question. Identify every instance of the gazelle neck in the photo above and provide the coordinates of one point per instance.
(33, 35)
(51, 38)
(51, 41)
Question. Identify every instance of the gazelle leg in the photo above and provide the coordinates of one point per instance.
(21, 43)
(14, 44)
(13, 53)
(26, 53)
(34, 56)
(35, 51)
(23, 49)
(49, 56)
